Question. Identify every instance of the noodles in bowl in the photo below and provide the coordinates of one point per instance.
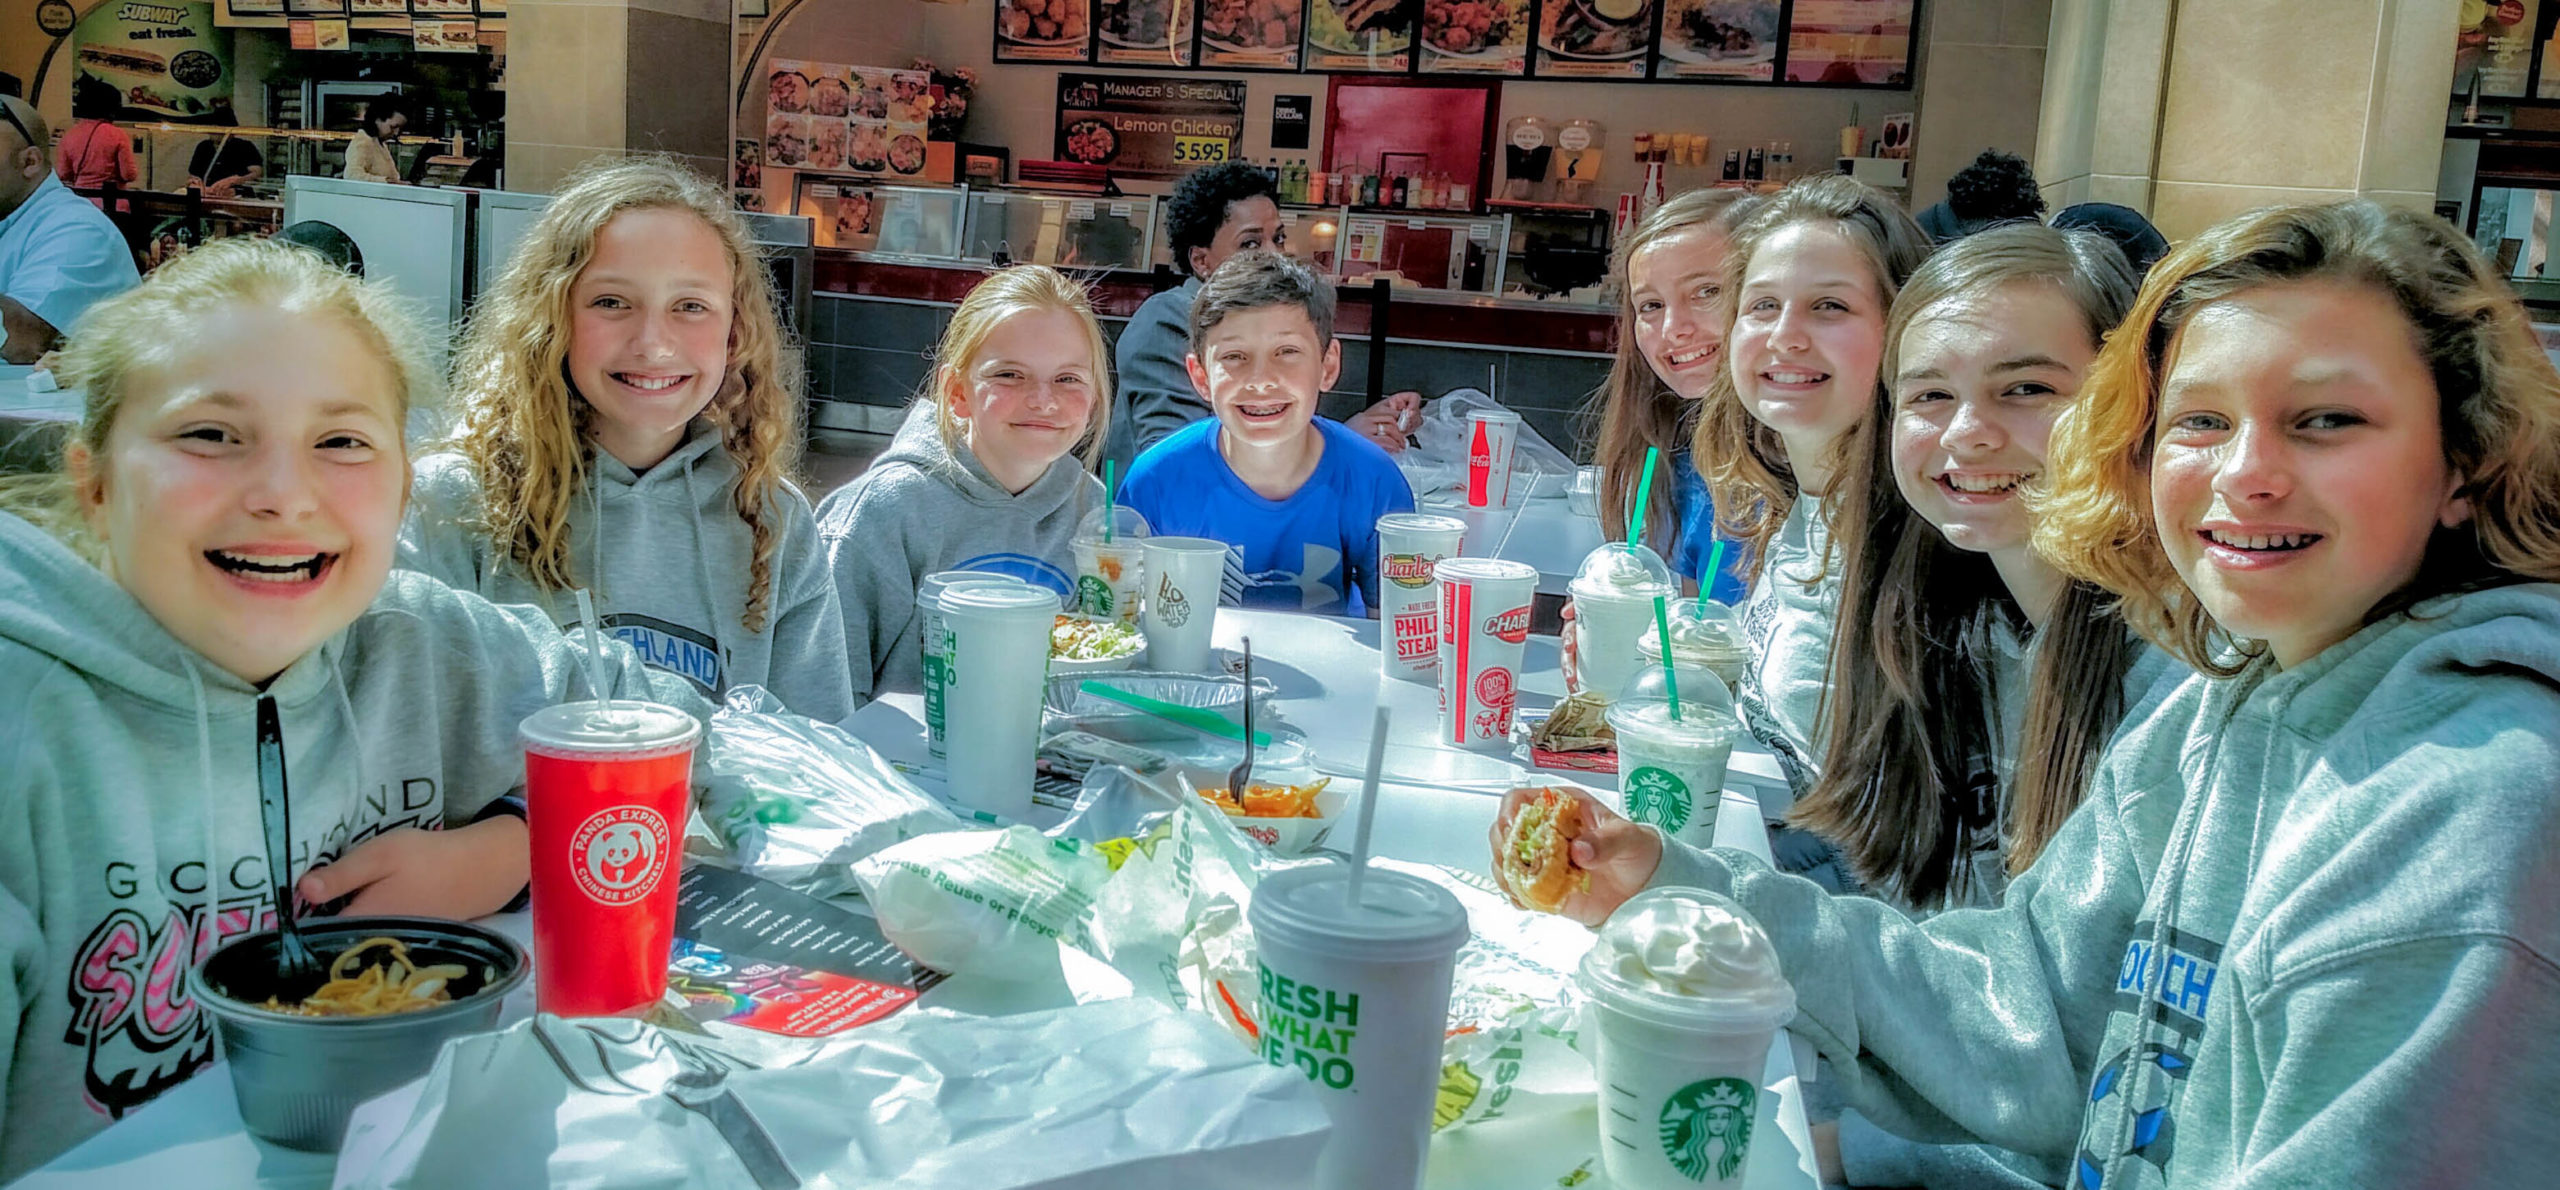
(374, 990)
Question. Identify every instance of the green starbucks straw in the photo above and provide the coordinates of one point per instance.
(1110, 496)
(1644, 497)
(1670, 676)
(1706, 584)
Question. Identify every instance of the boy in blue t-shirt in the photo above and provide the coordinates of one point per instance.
(1296, 497)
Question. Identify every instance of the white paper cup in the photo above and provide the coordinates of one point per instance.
(1185, 576)
(1484, 622)
(933, 642)
(1492, 436)
(1357, 1000)
(1411, 546)
(1681, 1092)
(1111, 578)
(1671, 771)
(991, 696)
(1606, 626)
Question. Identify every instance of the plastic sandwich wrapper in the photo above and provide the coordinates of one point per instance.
(1437, 460)
(796, 801)
(1123, 1095)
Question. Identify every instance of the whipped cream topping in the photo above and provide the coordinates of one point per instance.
(1693, 947)
(1615, 569)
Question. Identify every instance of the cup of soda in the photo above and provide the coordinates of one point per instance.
(606, 789)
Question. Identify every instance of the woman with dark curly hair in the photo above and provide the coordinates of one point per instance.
(1997, 188)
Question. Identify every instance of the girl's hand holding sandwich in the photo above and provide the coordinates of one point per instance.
(1557, 849)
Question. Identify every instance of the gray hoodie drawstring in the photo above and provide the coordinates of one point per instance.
(710, 594)
(204, 776)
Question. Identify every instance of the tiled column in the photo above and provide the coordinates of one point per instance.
(589, 79)
(2195, 110)
(1981, 82)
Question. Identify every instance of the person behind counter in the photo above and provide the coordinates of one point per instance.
(983, 476)
(58, 254)
(369, 156)
(220, 540)
(2321, 464)
(95, 154)
(221, 165)
(1295, 496)
(630, 424)
(1213, 213)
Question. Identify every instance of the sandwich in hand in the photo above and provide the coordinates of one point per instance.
(1537, 852)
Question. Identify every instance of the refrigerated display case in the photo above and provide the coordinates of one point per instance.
(1458, 254)
(1061, 230)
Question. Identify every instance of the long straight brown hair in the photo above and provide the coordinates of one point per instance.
(1908, 781)
(1745, 464)
(1633, 408)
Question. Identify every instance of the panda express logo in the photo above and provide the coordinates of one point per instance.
(618, 854)
(1512, 626)
(1409, 570)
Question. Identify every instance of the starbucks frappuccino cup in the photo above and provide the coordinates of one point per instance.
(1686, 996)
(1671, 769)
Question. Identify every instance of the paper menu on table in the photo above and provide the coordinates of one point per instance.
(751, 952)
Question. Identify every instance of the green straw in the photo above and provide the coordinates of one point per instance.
(1644, 496)
(1110, 496)
(1715, 565)
(1670, 676)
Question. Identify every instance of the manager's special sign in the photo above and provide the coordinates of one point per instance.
(1140, 127)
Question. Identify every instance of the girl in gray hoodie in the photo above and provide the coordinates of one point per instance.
(222, 538)
(2300, 933)
(631, 421)
(985, 474)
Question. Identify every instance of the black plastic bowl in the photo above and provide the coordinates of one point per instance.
(300, 1077)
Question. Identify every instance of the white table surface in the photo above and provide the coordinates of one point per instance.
(1326, 672)
(1542, 531)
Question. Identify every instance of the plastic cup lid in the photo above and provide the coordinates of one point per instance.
(620, 727)
(1617, 568)
(930, 591)
(1125, 522)
(1492, 415)
(1691, 959)
(1479, 569)
(1425, 522)
(1005, 598)
(1399, 918)
(1707, 718)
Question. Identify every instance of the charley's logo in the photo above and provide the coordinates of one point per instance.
(1410, 570)
(615, 854)
(1512, 626)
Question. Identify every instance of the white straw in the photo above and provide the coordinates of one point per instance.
(1368, 804)
(1492, 372)
(595, 648)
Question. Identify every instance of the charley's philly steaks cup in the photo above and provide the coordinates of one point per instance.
(1411, 546)
(1484, 622)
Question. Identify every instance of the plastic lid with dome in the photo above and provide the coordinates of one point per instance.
(1625, 571)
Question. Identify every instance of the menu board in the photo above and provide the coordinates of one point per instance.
(1475, 37)
(1595, 39)
(1364, 36)
(1144, 32)
(826, 117)
(2493, 47)
(1142, 127)
(1718, 39)
(1850, 42)
(1251, 34)
(1044, 31)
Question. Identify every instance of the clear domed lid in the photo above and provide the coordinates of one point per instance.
(1125, 522)
(1702, 631)
(1700, 689)
(1627, 570)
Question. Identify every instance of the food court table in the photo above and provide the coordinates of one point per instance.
(1437, 810)
(1543, 531)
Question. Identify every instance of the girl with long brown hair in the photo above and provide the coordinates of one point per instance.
(1945, 607)
(631, 420)
(1813, 273)
(1672, 318)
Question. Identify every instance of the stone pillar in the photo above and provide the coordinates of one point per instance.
(2192, 111)
(591, 78)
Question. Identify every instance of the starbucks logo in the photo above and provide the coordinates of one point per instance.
(1657, 798)
(1170, 605)
(1094, 596)
(1706, 1128)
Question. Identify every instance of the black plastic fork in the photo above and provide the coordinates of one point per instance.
(298, 969)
